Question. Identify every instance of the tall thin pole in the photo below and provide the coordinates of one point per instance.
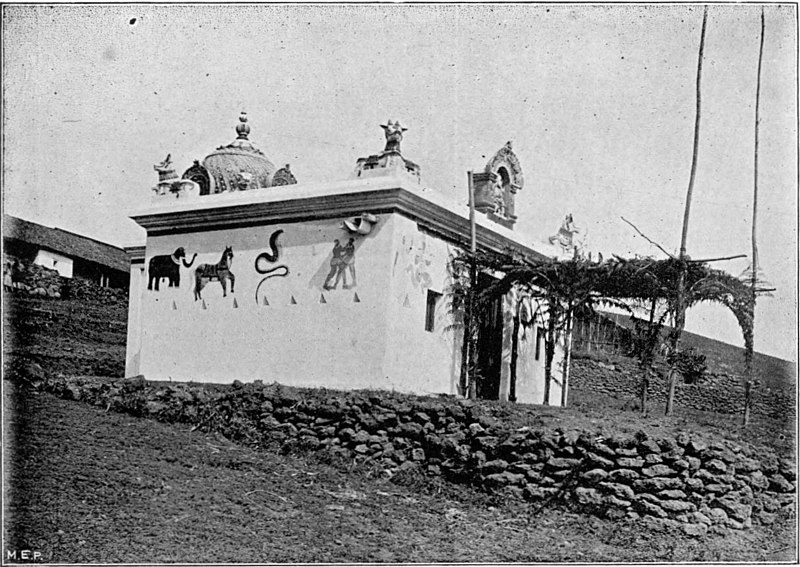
(471, 346)
(472, 245)
(696, 138)
(680, 300)
(754, 275)
(748, 353)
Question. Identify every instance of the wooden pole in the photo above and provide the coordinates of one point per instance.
(470, 188)
(473, 282)
(680, 300)
(693, 172)
(567, 357)
(748, 355)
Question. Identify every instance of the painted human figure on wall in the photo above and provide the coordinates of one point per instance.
(336, 263)
(349, 259)
(342, 263)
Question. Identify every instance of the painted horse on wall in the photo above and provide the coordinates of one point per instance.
(221, 272)
(168, 266)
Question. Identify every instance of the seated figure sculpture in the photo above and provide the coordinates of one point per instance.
(394, 135)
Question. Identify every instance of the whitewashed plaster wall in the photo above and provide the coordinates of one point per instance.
(427, 360)
(295, 332)
(530, 385)
(430, 361)
(133, 348)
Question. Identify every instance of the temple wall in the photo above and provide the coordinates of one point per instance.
(431, 360)
(530, 373)
(133, 348)
(428, 359)
(294, 332)
(284, 326)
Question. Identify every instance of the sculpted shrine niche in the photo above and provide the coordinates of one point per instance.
(497, 185)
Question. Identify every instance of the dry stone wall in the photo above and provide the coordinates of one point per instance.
(717, 392)
(679, 480)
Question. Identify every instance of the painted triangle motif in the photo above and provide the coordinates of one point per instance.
(235, 305)
(204, 304)
(356, 299)
(406, 302)
(293, 301)
(174, 307)
(266, 303)
(322, 298)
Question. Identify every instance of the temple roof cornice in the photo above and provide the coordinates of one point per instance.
(308, 202)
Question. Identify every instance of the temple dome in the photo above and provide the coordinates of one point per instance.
(239, 166)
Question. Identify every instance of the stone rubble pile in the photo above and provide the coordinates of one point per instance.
(77, 288)
(39, 280)
(681, 481)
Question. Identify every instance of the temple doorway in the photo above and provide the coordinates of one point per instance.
(490, 348)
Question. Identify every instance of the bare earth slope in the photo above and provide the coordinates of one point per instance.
(84, 485)
(90, 486)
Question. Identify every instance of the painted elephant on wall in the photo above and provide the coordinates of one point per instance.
(168, 266)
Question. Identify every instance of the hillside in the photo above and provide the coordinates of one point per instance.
(725, 358)
(145, 471)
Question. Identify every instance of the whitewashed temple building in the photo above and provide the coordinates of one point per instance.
(248, 273)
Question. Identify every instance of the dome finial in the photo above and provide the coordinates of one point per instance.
(242, 129)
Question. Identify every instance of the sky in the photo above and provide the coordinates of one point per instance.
(599, 101)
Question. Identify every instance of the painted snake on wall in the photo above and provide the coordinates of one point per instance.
(270, 257)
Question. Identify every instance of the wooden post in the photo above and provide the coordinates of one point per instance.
(748, 355)
(680, 300)
(473, 280)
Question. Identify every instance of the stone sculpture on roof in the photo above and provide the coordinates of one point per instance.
(168, 182)
(394, 135)
(199, 175)
(567, 238)
(390, 161)
(283, 176)
(163, 168)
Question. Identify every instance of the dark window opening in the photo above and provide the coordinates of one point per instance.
(430, 310)
(540, 331)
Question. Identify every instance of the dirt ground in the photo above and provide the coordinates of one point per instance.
(90, 486)
(83, 485)
(72, 337)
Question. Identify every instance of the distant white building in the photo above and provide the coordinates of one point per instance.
(72, 255)
(58, 262)
(340, 285)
